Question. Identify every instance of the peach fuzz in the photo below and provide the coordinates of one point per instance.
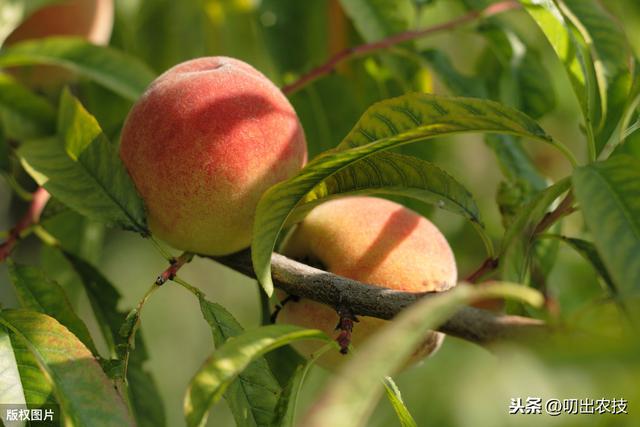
(202, 144)
(374, 241)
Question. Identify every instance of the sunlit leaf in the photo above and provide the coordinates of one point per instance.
(395, 397)
(37, 292)
(111, 68)
(386, 125)
(253, 395)
(609, 197)
(351, 394)
(104, 297)
(85, 394)
(84, 171)
(11, 391)
(398, 175)
(227, 362)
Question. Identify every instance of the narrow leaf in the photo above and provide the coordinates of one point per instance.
(104, 298)
(393, 393)
(570, 49)
(352, 393)
(611, 54)
(284, 414)
(37, 292)
(227, 362)
(115, 70)
(588, 251)
(85, 394)
(609, 197)
(386, 125)
(84, 171)
(252, 396)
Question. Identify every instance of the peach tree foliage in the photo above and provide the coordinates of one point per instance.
(49, 354)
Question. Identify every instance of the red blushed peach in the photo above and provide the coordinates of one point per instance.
(89, 19)
(202, 144)
(374, 241)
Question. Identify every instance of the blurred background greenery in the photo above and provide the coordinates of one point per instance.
(462, 385)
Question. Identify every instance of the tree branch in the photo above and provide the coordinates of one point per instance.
(393, 40)
(472, 324)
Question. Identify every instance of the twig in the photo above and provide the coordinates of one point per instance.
(299, 279)
(393, 40)
(487, 266)
(172, 270)
(31, 217)
(564, 208)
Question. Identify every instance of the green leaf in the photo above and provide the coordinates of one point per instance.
(393, 393)
(85, 394)
(514, 161)
(459, 84)
(517, 244)
(522, 80)
(611, 54)
(36, 114)
(37, 292)
(284, 414)
(84, 171)
(227, 362)
(588, 251)
(11, 391)
(596, 55)
(253, 396)
(570, 49)
(14, 12)
(609, 196)
(115, 70)
(351, 394)
(377, 19)
(38, 390)
(399, 175)
(385, 125)
(104, 298)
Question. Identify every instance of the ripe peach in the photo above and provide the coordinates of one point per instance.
(374, 241)
(202, 144)
(89, 19)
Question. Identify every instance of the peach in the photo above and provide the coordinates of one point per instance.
(89, 19)
(202, 144)
(374, 241)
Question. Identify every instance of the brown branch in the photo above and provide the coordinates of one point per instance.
(299, 279)
(365, 49)
(39, 200)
